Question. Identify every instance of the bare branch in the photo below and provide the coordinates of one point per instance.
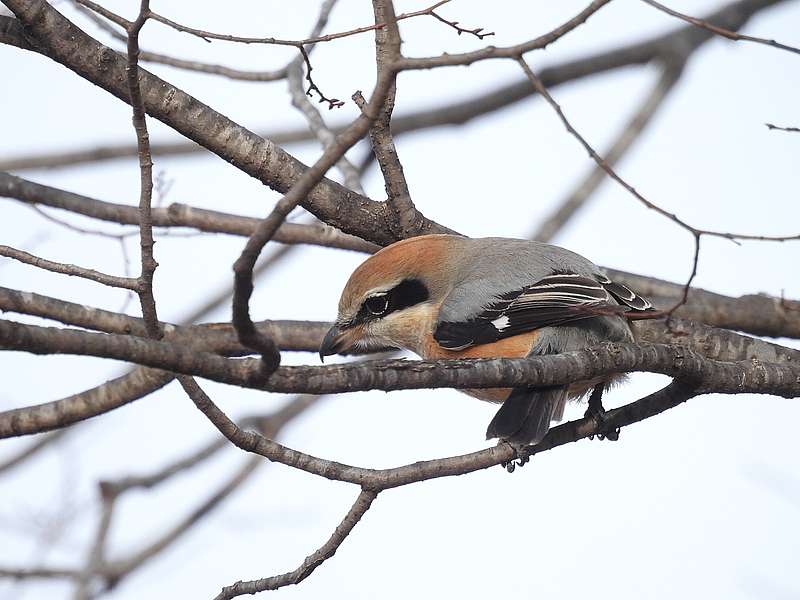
(727, 377)
(670, 74)
(98, 400)
(209, 35)
(721, 31)
(97, 551)
(312, 561)
(37, 573)
(67, 269)
(492, 52)
(30, 451)
(649, 406)
(316, 123)
(123, 484)
(145, 281)
(404, 216)
(770, 126)
(176, 215)
(201, 67)
(478, 32)
(607, 168)
(732, 16)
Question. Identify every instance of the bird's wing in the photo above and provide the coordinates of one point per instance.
(553, 300)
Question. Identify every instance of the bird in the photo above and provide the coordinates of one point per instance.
(449, 296)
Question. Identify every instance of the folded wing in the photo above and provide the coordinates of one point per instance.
(553, 300)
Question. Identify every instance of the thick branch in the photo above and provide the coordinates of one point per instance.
(723, 377)
(176, 215)
(755, 314)
(404, 216)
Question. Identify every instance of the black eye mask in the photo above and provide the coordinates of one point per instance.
(408, 292)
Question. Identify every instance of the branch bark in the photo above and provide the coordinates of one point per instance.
(723, 377)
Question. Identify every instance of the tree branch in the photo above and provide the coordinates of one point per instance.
(732, 16)
(492, 52)
(312, 561)
(721, 31)
(670, 74)
(176, 215)
(722, 377)
(403, 216)
(67, 269)
(255, 156)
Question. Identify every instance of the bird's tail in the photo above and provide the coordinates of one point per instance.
(525, 416)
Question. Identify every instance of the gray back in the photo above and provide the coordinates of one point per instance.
(493, 266)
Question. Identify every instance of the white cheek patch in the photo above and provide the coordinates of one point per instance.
(500, 323)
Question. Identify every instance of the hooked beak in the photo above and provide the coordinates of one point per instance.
(336, 340)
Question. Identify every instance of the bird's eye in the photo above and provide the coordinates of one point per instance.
(377, 304)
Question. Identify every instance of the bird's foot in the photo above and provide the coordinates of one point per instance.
(598, 413)
(599, 416)
(522, 457)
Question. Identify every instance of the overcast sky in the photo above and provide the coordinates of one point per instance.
(703, 501)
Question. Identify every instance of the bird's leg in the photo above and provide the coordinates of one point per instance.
(597, 412)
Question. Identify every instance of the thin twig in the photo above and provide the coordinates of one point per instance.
(605, 166)
(300, 45)
(31, 450)
(209, 35)
(189, 65)
(478, 32)
(316, 122)
(97, 551)
(670, 74)
(721, 31)
(770, 126)
(126, 283)
(312, 561)
(404, 219)
(493, 52)
(145, 281)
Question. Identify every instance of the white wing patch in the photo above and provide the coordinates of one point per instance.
(501, 323)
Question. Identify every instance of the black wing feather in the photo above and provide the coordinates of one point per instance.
(554, 300)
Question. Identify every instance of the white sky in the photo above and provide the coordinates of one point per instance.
(703, 501)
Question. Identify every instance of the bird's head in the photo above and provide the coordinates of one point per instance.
(389, 296)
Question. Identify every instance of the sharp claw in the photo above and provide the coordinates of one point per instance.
(521, 459)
